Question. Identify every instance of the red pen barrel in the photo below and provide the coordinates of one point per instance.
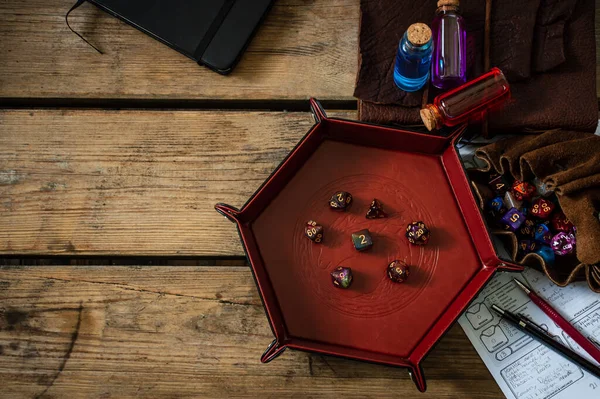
(574, 333)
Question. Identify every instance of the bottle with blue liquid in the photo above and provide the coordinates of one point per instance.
(413, 60)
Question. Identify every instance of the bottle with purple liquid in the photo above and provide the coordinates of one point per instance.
(449, 62)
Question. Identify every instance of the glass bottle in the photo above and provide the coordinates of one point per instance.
(467, 101)
(413, 58)
(449, 64)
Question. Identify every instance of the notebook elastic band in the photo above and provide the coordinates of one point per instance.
(79, 2)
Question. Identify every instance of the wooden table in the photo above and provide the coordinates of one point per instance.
(119, 278)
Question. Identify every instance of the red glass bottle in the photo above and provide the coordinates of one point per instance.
(458, 105)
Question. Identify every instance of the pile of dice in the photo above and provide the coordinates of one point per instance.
(398, 271)
(532, 212)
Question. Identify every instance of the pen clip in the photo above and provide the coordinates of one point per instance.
(537, 326)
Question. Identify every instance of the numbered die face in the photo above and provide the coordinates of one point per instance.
(499, 184)
(341, 277)
(527, 246)
(543, 234)
(512, 220)
(340, 201)
(314, 232)
(527, 229)
(523, 190)
(362, 240)
(495, 204)
(563, 243)
(375, 210)
(561, 223)
(417, 233)
(398, 271)
(541, 208)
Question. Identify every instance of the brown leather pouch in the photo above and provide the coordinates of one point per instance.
(569, 163)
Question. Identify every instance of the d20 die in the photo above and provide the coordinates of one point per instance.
(362, 240)
(417, 233)
(512, 220)
(341, 277)
(563, 243)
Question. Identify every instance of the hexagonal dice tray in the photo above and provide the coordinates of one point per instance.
(416, 177)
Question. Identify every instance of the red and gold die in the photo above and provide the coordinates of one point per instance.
(541, 208)
(523, 190)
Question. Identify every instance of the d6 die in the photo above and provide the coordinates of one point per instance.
(541, 208)
(512, 220)
(362, 240)
(340, 201)
(417, 233)
(314, 231)
(523, 190)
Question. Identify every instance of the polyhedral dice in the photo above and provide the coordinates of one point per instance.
(561, 223)
(398, 271)
(527, 229)
(541, 208)
(563, 243)
(523, 190)
(546, 253)
(541, 188)
(495, 204)
(314, 231)
(527, 246)
(417, 233)
(499, 184)
(340, 201)
(512, 219)
(375, 210)
(497, 215)
(511, 202)
(341, 277)
(362, 240)
(543, 234)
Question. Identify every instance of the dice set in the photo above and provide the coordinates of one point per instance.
(397, 271)
(532, 213)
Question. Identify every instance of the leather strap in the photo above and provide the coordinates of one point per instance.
(212, 30)
(79, 2)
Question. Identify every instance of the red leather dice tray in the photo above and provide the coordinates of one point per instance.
(416, 177)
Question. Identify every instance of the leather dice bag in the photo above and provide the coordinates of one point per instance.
(569, 163)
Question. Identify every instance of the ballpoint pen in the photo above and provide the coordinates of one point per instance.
(567, 327)
(543, 337)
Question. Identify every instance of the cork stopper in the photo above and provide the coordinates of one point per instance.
(418, 34)
(429, 117)
(452, 3)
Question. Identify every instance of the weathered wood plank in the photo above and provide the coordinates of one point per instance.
(183, 332)
(134, 182)
(304, 48)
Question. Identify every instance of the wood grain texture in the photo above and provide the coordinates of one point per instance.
(304, 48)
(134, 182)
(183, 332)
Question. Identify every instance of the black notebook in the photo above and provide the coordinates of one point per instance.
(214, 33)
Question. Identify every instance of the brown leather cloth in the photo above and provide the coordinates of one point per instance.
(546, 48)
(569, 163)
